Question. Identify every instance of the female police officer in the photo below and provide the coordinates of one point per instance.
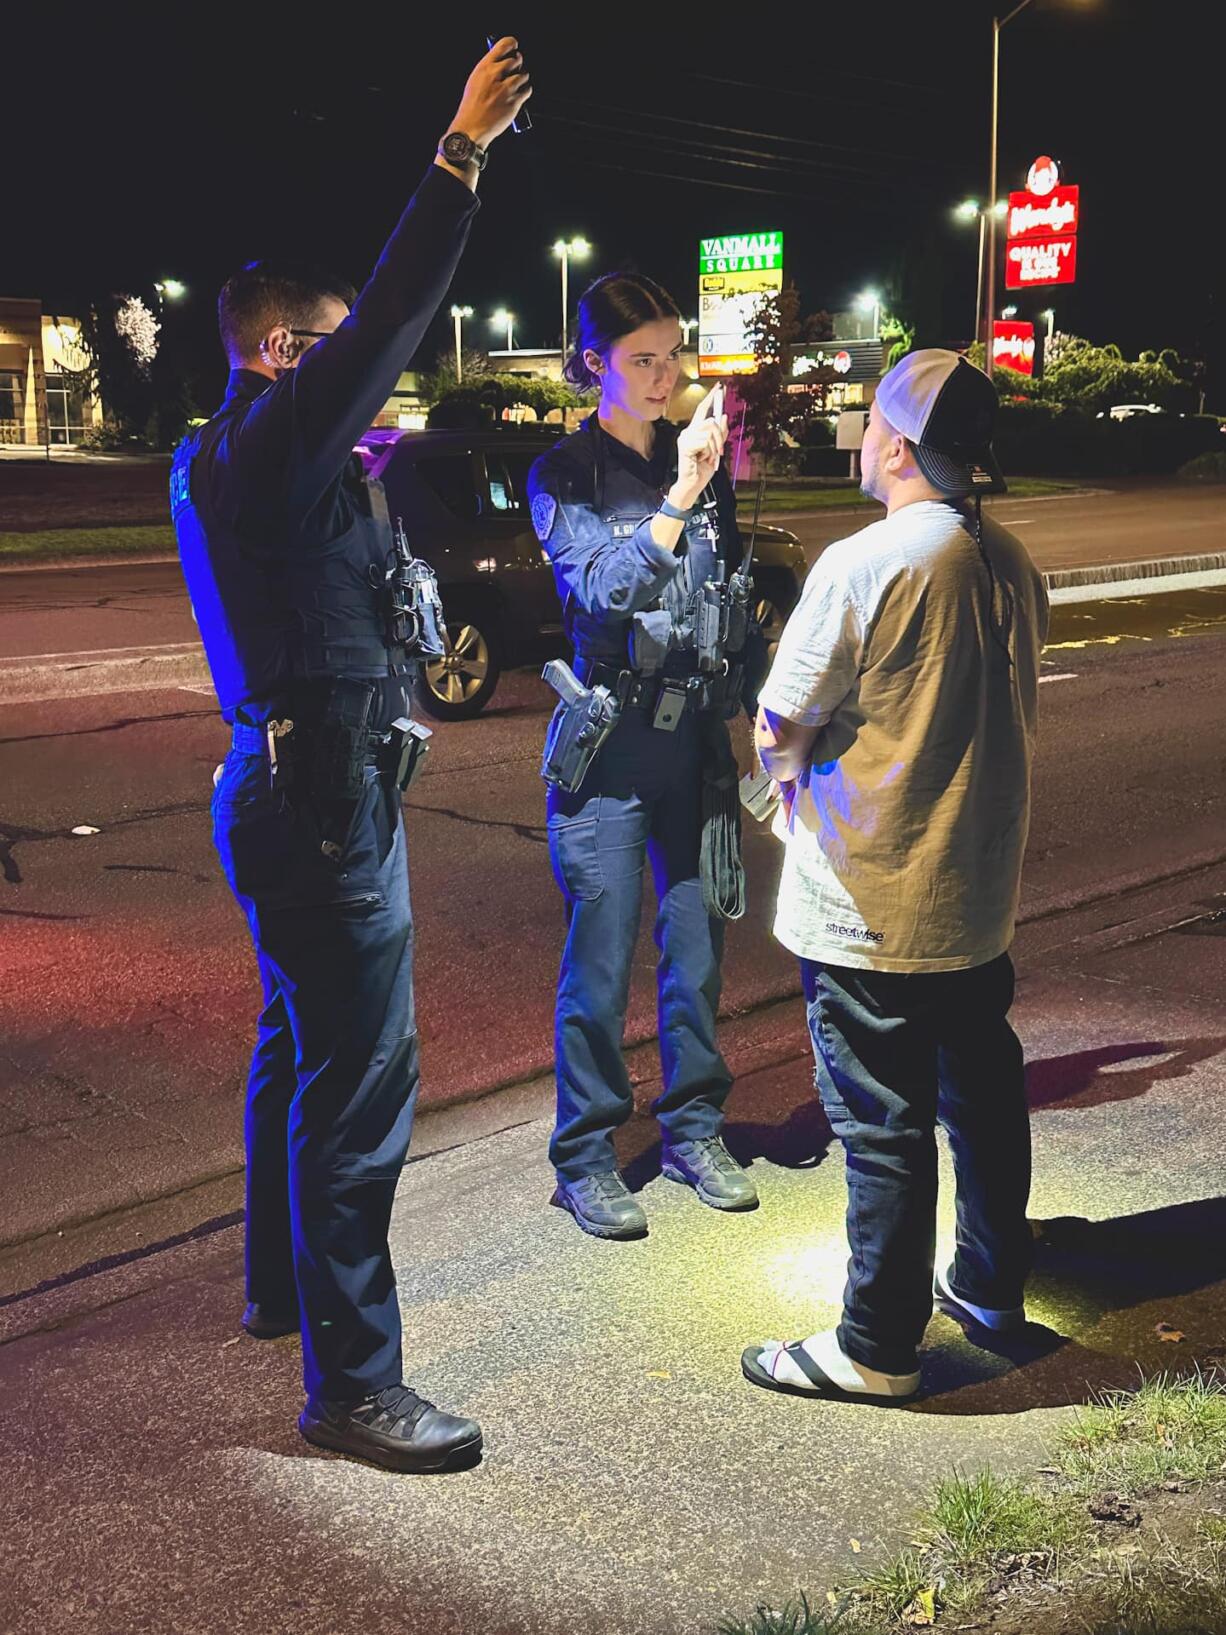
(616, 506)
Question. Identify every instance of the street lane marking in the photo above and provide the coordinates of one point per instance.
(1065, 675)
(106, 655)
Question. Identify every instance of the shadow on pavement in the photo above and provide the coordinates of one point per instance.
(1095, 1278)
(1093, 1078)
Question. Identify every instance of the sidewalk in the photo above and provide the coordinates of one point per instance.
(632, 1481)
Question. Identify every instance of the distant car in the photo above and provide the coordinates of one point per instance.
(1124, 411)
(463, 497)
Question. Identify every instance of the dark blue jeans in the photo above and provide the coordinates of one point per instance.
(896, 1053)
(334, 1075)
(641, 799)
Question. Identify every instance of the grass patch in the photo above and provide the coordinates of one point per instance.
(804, 494)
(50, 543)
(1134, 1441)
(1031, 1555)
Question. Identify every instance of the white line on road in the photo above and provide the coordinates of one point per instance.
(1065, 675)
(106, 655)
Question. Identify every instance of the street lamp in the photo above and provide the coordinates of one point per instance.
(871, 299)
(1050, 316)
(1008, 312)
(502, 316)
(169, 289)
(686, 325)
(565, 249)
(459, 314)
(968, 210)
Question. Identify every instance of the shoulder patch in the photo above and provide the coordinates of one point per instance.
(544, 515)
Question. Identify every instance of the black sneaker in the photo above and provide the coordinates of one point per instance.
(263, 1324)
(395, 1428)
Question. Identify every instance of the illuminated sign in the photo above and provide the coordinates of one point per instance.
(734, 273)
(1013, 345)
(1043, 175)
(1032, 216)
(1032, 263)
(1041, 230)
(742, 252)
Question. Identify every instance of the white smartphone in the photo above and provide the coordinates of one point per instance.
(717, 400)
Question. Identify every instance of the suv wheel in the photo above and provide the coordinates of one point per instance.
(460, 684)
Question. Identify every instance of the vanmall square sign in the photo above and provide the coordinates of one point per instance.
(734, 274)
(1041, 230)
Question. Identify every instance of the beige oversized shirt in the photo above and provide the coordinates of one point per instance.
(904, 850)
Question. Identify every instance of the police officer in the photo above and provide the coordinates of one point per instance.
(309, 628)
(639, 523)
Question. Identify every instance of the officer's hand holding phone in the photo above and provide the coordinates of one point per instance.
(700, 448)
(496, 90)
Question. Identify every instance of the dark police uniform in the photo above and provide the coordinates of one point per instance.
(593, 499)
(285, 550)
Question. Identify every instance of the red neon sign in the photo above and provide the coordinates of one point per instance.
(1030, 264)
(1033, 215)
(1013, 345)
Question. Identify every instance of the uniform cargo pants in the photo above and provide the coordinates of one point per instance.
(334, 1075)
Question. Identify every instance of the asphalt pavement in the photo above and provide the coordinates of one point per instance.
(153, 1480)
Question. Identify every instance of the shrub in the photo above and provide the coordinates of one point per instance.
(1206, 468)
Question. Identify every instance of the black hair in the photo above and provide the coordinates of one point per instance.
(615, 305)
(266, 293)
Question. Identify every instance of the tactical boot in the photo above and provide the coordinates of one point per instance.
(263, 1324)
(603, 1205)
(708, 1167)
(394, 1428)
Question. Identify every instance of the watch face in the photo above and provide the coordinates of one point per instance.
(457, 148)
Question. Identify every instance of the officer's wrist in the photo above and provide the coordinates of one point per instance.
(682, 498)
(675, 513)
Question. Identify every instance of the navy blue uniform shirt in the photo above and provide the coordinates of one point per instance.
(283, 555)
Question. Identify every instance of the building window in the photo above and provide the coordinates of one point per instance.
(66, 418)
(12, 407)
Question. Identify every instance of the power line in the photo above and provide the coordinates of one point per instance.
(736, 130)
(719, 153)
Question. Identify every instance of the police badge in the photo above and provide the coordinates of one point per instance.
(544, 515)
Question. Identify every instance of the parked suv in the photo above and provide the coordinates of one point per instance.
(463, 496)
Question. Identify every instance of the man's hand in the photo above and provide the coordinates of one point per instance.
(700, 448)
(783, 748)
(497, 89)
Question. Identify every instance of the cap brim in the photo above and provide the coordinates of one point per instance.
(970, 471)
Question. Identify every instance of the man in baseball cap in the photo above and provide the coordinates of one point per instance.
(898, 720)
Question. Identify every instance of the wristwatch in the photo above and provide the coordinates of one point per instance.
(461, 150)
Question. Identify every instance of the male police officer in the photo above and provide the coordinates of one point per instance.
(286, 551)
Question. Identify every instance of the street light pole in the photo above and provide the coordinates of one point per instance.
(983, 222)
(458, 315)
(577, 247)
(997, 24)
(502, 316)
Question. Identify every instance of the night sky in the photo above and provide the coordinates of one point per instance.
(145, 145)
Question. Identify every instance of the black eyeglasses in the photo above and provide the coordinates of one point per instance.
(313, 334)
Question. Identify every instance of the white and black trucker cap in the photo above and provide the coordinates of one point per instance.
(947, 408)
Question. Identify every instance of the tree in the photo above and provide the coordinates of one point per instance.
(136, 372)
(480, 399)
(1089, 377)
(773, 331)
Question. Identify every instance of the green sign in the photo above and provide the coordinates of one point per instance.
(741, 252)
